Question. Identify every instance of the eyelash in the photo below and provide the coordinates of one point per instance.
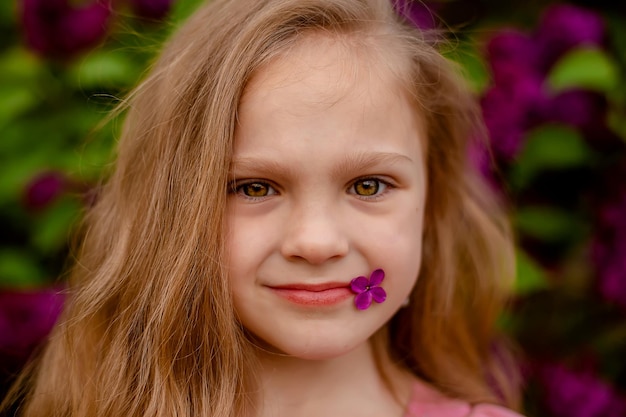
(237, 186)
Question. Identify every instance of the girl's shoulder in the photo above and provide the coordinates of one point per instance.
(428, 402)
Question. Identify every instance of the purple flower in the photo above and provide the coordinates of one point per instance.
(508, 49)
(506, 120)
(368, 289)
(151, 9)
(588, 111)
(565, 26)
(579, 394)
(57, 29)
(517, 101)
(579, 108)
(44, 189)
(26, 318)
(608, 251)
(417, 12)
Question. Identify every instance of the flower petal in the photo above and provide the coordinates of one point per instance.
(363, 301)
(379, 294)
(377, 277)
(359, 284)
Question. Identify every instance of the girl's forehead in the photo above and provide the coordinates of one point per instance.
(336, 63)
(331, 97)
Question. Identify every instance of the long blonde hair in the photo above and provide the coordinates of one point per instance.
(149, 328)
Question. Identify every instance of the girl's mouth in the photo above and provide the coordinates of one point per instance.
(325, 294)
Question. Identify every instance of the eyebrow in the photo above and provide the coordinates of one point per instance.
(358, 161)
(361, 161)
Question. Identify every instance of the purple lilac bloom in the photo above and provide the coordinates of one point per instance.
(579, 394)
(588, 111)
(579, 108)
(504, 120)
(367, 290)
(151, 9)
(511, 48)
(26, 318)
(56, 29)
(508, 111)
(421, 14)
(608, 251)
(564, 27)
(517, 100)
(44, 189)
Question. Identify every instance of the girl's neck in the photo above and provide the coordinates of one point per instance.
(348, 385)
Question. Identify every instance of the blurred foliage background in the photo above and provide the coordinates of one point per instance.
(551, 80)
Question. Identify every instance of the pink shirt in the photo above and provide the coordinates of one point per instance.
(427, 402)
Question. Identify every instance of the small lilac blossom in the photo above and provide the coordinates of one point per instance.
(151, 9)
(505, 121)
(26, 318)
(367, 290)
(571, 393)
(579, 108)
(43, 189)
(511, 48)
(60, 30)
(608, 250)
(419, 13)
(563, 27)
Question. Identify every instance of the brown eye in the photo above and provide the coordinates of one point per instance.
(255, 189)
(366, 187)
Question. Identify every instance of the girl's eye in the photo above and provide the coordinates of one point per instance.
(368, 187)
(255, 189)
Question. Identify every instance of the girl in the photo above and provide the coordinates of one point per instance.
(292, 229)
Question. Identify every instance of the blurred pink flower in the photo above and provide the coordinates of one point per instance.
(44, 189)
(511, 48)
(151, 9)
(563, 27)
(518, 101)
(59, 29)
(510, 107)
(26, 318)
(579, 394)
(579, 108)
(420, 13)
(608, 251)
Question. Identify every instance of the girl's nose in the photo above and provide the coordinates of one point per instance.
(314, 234)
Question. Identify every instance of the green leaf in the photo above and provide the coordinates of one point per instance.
(547, 223)
(616, 120)
(104, 69)
(21, 72)
(19, 65)
(530, 276)
(17, 172)
(549, 147)
(52, 230)
(474, 68)
(19, 269)
(14, 101)
(587, 68)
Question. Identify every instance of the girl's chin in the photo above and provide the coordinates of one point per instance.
(308, 352)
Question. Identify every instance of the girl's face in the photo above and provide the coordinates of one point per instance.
(329, 184)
